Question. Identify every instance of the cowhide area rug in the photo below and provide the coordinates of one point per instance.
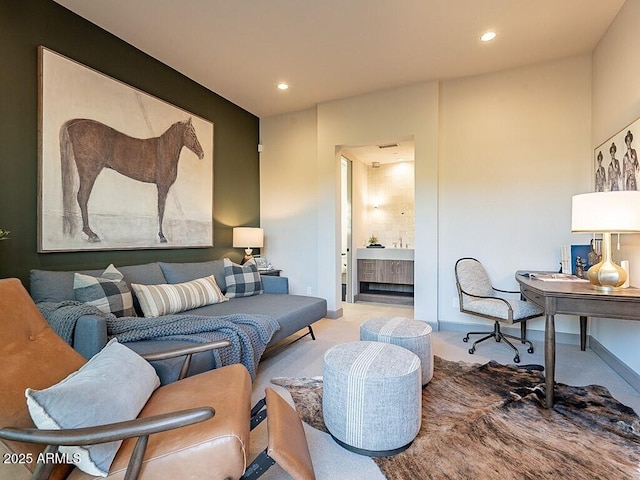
(489, 422)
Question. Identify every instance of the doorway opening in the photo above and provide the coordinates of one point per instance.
(345, 218)
(378, 221)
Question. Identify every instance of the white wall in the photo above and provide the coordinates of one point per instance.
(498, 158)
(289, 198)
(362, 120)
(514, 148)
(616, 104)
(370, 119)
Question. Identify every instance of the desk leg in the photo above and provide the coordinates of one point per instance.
(583, 333)
(549, 357)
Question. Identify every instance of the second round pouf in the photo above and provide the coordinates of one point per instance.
(372, 397)
(414, 335)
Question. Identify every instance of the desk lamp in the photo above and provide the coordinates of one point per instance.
(606, 213)
(248, 238)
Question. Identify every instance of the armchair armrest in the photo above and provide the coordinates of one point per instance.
(488, 298)
(90, 335)
(140, 427)
(275, 284)
(110, 432)
(185, 351)
(462, 293)
(505, 291)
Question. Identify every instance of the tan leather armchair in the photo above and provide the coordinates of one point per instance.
(191, 441)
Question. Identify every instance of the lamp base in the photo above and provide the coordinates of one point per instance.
(247, 255)
(607, 276)
(606, 288)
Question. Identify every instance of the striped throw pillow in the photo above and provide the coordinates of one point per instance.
(157, 300)
(109, 293)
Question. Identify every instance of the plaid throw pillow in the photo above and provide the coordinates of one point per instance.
(242, 280)
(109, 293)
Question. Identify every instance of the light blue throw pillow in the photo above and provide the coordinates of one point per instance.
(111, 387)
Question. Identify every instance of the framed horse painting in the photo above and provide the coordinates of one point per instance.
(118, 169)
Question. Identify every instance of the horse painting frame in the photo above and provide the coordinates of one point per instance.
(118, 169)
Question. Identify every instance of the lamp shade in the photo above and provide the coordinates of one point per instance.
(599, 212)
(248, 237)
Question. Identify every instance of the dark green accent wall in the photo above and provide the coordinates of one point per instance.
(25, 24)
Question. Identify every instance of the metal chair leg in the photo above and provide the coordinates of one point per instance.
(487, 336)
(516, 359)
(524, 342)
(499, 336)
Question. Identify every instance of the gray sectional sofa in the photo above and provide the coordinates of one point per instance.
(292, 312)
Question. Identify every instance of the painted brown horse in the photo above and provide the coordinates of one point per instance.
(94, 146)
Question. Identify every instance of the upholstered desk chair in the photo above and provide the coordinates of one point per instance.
(478, 297)
(176, 435)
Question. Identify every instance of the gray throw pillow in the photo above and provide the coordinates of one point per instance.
(111, 387)
(185, 272)
(242, 280)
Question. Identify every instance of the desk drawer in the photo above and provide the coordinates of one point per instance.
(533, 297)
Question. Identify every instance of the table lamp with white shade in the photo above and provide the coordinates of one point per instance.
(606, 213)
(248, 238)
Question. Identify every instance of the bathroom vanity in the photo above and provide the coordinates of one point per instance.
(385, 275)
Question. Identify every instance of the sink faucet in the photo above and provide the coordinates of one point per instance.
(400, 242)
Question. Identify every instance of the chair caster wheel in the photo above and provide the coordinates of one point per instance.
(472, 350)
(516, 359)
(498, 339)
(465, 339)
(530, 350)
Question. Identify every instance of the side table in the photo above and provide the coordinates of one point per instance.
(272, 272)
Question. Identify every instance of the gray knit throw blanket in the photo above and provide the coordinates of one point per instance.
(248, 334)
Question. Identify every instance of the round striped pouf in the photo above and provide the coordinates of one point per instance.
(372, 397)
(414, 335)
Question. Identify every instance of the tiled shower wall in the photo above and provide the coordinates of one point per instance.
(391, 204)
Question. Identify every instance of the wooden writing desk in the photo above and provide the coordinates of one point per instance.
(574, 298)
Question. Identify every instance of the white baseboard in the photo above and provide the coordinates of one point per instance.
(618, 366)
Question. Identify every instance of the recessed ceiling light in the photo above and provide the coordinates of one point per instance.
(283, 86)
(488, 36)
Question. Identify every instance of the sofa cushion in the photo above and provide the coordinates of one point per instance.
(292, 312)
(165, 299)
(112, 387)
(109, 293)
(242, 280)
(185, 272)
(146, 274)
(50, 286)
(214, 449)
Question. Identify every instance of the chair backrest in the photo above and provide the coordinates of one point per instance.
(32, 355)
(472, 278)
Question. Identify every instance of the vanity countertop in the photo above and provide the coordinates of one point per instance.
(385, 253)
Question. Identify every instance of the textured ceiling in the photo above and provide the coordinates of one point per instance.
(332, 49)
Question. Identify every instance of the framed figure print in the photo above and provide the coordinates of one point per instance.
(616, 164)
